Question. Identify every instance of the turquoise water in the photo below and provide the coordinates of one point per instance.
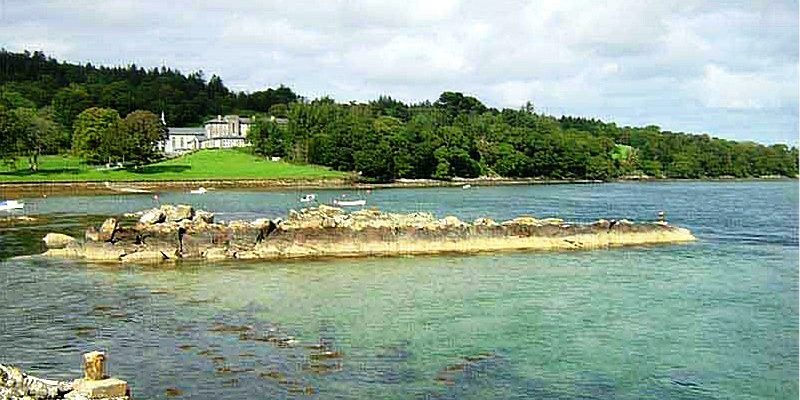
(715, 319)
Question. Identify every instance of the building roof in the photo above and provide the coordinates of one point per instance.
(199, 131)
(225, 138)
(229, 118)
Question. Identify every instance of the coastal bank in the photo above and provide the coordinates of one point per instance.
(38, 189)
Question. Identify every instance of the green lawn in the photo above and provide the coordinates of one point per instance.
(229, 164)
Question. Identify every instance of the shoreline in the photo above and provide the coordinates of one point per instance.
(28, 189)
(142, 187)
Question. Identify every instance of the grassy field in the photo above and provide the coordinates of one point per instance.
(229, 164)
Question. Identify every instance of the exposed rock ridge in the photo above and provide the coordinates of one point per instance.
(15, 384)
(170, 233)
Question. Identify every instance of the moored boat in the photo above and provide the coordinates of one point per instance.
(350, 203)
(9, 205)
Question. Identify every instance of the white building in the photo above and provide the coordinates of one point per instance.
(218, 133)
(183, 139)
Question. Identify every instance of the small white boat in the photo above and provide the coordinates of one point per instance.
(308, 198)
(9, 205)
(467, 186)
(350, 203)
(200, 190)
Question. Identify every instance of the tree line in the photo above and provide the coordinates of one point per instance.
(99, 136)
(50, 107)
(43, 101)
(71, 88)
(458, 136)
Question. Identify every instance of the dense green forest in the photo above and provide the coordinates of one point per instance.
(458, 136)
(70, 89)
(48, 106)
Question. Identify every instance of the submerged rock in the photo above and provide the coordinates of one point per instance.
(146, 256)
(73, 252)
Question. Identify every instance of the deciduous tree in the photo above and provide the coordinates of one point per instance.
(91, 134)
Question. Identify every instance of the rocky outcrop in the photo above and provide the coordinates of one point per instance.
(154, 216)
(57, 240)
(107, 230)
(178, 213)
(17, 385)
(145, 256)
(177, 232)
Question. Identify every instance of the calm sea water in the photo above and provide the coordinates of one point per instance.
(717, 319)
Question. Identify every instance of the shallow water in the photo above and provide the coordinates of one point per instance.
(713, 319)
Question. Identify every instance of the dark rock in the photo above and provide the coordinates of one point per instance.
(230, 328)
(203, 216)
(325, 355)
(91, 234)
(154, 216)
(107, 230)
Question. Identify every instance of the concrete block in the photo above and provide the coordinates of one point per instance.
(101, 389)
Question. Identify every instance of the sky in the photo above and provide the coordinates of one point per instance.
(726, 68)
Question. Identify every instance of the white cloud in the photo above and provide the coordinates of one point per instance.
(684, 65)
(409, 12)
(276, 33)
(719, 88)
(610, 68)
(410, 59)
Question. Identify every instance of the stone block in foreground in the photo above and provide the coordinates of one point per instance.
(108, 388)
(17, 385)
